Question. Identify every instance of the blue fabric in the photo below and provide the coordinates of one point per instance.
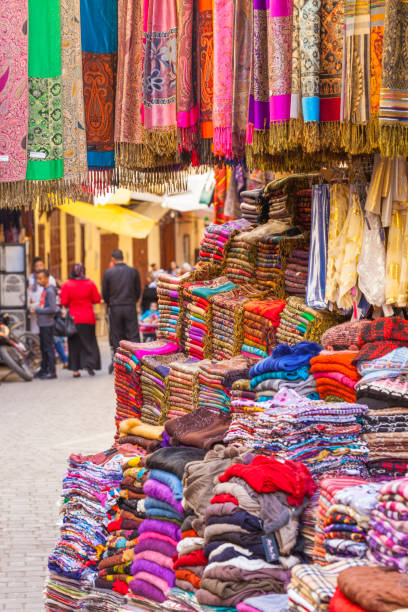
(311, 109)
(287, 358)
(170, 480)
(301, 373)
(105, 159)
(316, 279)
(99, 32)
(160, 508)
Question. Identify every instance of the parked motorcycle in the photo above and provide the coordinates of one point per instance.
(21, 352)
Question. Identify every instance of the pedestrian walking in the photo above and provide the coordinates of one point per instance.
(35, 291)
(79, 294)
(121, 291)
(45, 312)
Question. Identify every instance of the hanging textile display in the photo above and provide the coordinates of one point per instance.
(75, 158)
(372, 257)
(339, 199)
(377, 13)
(296, 122)
(206, 77)
(316, 281)
(394, 81)
(187, 73)
(99, 19)
(223, 76)
(13, 92)
(309, 39)
(45, 121)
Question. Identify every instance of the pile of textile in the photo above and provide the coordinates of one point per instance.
(343, 516)
(201, 428)
(289, 367)
(251, 205)
(299, 322)
(159, 533)
(369, 588)
(216, 380)
(144, 438)
(102, 600)
(127, 370)
(323, 436)
(251, 530)
(153, 378)
(312, 587)
(336, 375)
(182, 384)
(272, 255)
(343, 337)
(278, 206)
(228, 320)
(62, 593)
(241, 260)
(119, 551)
(387, 537)
(261, 321)
(89, 492)
(241, 389)
(197, 315)
(296, 272)
(216, 239)
(303, 208)
(169, 290)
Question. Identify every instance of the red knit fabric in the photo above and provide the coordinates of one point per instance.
(339, 603)
(267, 475)
(222, 499)
(197, 557)
(120, 587)
(382, 336)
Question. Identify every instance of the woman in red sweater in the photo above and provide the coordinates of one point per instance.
(79, 294)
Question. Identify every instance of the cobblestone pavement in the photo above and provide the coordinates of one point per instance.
(41, 423)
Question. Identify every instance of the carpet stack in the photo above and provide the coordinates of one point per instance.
(216, 380)
(296, 273)
(216, 240)
(261, 321)
(169, 292)
(336, 376)
(299, 322)
(153, 378)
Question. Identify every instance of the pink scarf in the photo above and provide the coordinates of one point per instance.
(223, 76)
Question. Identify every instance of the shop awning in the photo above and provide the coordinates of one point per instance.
(111, 218)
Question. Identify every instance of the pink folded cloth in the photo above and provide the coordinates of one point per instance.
(243, 607)
(341, 378)
(157, 582)
(146, 535)
(159, 558)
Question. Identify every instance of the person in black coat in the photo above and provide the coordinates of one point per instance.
(121, 291)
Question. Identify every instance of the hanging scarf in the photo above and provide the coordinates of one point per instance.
(99, 29)
(280, 34)
(159, 78)
(355, 94)
(309, 39)
(331, 62)
(242, 44)
(75, 160)
(223, 76)
(258, 112)
(45, 120)
(396, 288)
(187, 93)
(377, 13)
(206, 76)
(296, 122)
(13, 90)
(316, 281)
(129, 95)
(394, 84)
(339, 199)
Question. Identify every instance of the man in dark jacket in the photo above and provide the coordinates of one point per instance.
(121, 291)
(45, 312)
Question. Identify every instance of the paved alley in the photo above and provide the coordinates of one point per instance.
(42, 422)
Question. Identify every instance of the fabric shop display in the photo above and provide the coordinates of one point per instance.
(183, 387)
(299, 322)
(335, 375)
(217, 238)
(261, 321)
(169, 290)
(216, 380)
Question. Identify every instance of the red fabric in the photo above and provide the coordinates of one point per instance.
(382, 336)
(120, 587)
(267, 475)
(197, 557)
(222, 499)
(79, 296)
(339, 603)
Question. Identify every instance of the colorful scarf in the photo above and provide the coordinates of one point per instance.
(187, 72)
(394, 84)
(258, 112)
(45, 120)
(296, 124)
(129, 96)
(377, 13)
(241, 74)
(159, 77)
(206, 75)
(13, 90)
(309, 40)
(99, 33)
(75, 160)
(223, 76)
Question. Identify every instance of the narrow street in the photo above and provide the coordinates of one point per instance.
(42, 422)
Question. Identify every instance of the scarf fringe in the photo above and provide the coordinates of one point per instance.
(138, 156)
(330, 136)
(187, 138)
(295, 133)
(311, 137)
(393, 139)
(223, 141)
(161, 140)
(43, 195)
(205, 151)
(160, 181)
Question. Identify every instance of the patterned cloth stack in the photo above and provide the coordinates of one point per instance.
(241, 260)
(216, 239)
(299, 322)
(183, 387)
(335, 375)
(154, 374)
(272, 256)
(251, 205)
(169, 291)
(278, 206)
(303, 208)
(261, 320)
(216, 380)
(296, 273)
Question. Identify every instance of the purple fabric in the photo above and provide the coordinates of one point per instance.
(156, 545)
(158, 490)
(141, 587)
(142, 565)
(173, 531)
(165, 439)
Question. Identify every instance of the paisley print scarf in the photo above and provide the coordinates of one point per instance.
(206, 76)
(309, 40)
(13, 90)
(187, 72)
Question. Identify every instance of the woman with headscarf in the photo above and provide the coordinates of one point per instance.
(79, 294)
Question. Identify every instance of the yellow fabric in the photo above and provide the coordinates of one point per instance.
(114, 219)
(339, 198)
(396, 287)
(136, 427)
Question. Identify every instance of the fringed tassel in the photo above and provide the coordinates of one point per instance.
(135, 156)
(278, 138)
(43, 195)
(167, 180)
(161, 140)
(393, 140)
(358, 139)
(187, 138)
(311, 137)
(205, 151)
(330, 136)
(295, 134)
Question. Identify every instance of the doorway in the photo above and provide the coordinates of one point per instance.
(167, 243)
(108, 243)
(140, 258)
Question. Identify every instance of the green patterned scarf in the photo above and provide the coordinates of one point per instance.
(45, 121)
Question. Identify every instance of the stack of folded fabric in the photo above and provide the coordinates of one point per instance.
(264, 603)
(251, 529)
(241, 260)
(169, 291)
(202, 428)
(336, 376)
(299, 322)
(312, 587)
(216, 239)
(62, 593)
(278, 206)
(102, 600)
(197, 315)
(296, 272)
(216, 380)
(183, 387)
(127, 369)
(153, 378)
(190, 561)
(289, 367)
(228, 320)
(369, 588)
(343, 337)
(387, 537)
(303, 208)
(328, 488)
(325, 437)
(114, 566)
(159, 533)
(143, 437)
(241, 389)
(273, 253)
(261, 321)
(251, 205)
